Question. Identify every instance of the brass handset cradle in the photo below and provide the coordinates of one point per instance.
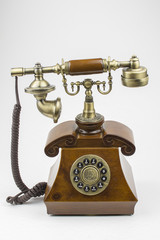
(132, 76)
(86, 84)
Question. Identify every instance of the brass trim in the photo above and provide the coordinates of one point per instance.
(134, 82)
(98, 118)
(17, 72)
(105, 65)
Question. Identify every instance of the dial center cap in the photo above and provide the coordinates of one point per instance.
(90, 175)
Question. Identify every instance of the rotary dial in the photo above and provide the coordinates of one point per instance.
(90, 174)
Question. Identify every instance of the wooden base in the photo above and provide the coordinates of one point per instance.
(118, 198)
(92, 209)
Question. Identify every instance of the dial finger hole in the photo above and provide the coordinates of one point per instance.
(103, 178)
(86, 161)
(76, 178)
(100, 184)
(104, 170)
(80, 165)
(86, 188)
(76, 171)
(100, 165)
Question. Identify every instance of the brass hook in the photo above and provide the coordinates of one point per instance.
(65, 85)
(98, 83)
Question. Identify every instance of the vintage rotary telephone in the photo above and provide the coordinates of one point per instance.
(90, 176)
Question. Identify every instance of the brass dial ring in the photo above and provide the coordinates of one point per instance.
(90, 174)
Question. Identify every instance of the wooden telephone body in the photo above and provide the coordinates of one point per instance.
(91, 176)
(61, 198)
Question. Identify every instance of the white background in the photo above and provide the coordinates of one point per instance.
(45, 31)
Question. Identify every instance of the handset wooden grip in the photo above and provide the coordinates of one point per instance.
(85, 66)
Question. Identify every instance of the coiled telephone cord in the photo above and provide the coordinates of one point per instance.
(26, 193)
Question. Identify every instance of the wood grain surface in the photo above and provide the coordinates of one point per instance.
(85, 66)
(117, 198)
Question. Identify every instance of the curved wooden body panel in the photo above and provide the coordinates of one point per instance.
(63, 135)
(118, 135)
(114, 134)
(118, 198)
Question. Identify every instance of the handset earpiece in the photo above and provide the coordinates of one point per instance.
(135, 75)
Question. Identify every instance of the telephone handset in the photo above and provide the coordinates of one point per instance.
(90, 176)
